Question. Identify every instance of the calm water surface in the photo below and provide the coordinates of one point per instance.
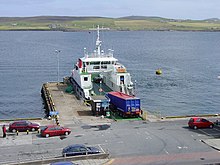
(189, 61)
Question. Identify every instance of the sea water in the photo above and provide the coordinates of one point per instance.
(190, 64)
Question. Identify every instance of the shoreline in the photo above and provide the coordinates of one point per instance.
(127, 23)
(157, 30)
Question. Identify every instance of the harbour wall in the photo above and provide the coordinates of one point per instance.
(49, 103)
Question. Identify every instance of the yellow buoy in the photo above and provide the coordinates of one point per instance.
(158, 71)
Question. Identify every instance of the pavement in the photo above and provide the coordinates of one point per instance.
(71, 110)
(214, 143)
(92, 162)
(13, 140)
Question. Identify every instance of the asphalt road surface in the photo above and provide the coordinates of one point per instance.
(128, 142)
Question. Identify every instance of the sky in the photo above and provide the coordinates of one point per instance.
(177, 9)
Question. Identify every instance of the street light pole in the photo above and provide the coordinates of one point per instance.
(58, 65)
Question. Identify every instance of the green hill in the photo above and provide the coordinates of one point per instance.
(66, 23)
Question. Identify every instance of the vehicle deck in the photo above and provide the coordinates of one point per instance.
(100, 88)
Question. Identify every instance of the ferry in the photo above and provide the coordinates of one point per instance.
(99, 72)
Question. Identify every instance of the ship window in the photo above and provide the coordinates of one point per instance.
(87, 63)
(95, 63)
(96, 67)
(104, 66)
(105, 62)
(85, 78)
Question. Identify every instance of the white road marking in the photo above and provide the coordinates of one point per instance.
(205, 132)
(179, 147)
(166, 151)
(201, 135)
(148, 137)
(147, 133)
(184, 147)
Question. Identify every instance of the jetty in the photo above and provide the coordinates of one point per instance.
(65, 108)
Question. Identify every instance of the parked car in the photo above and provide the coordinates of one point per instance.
(198, 122)
(54, 130)
(23, 125)
(79, 149)
(63, 163)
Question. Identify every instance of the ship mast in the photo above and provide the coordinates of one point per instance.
(98, 43)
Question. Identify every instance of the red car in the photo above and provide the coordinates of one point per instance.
(198, 122)
(54, 130)
(23, 125)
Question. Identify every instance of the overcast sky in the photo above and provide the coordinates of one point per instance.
(183, 9)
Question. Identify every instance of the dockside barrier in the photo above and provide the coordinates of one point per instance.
(45, 98)
(188, 116)
(151, 115)
(71, 158)
(48, 101)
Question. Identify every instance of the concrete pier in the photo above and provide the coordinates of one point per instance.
(70, 110)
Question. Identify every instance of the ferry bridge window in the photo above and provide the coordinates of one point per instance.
(106, 62)
(95, 63)
(85, 78)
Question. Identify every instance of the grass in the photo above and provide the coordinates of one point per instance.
(196, 25)
(142, 25)
(126, 23)
(116, 117)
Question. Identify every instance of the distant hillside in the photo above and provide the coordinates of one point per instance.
(140, 17)
(67, 23)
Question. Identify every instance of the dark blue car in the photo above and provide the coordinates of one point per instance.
(79, 149)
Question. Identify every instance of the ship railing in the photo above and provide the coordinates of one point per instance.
(95, 55)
